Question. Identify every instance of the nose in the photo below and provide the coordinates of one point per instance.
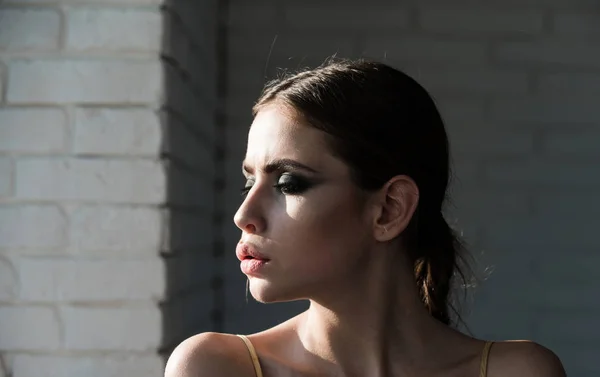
(249, 216)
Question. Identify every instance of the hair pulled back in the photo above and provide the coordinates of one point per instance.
(382, 123)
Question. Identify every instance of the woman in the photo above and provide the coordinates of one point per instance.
(347, 170)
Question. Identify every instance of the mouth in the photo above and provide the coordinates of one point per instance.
(246, 251)
(253, 266)
(252, 258)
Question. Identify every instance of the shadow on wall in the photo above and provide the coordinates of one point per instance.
(192, 247)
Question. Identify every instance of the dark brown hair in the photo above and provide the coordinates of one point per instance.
(382, 123)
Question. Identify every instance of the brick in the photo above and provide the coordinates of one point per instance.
(31, 226)
(481, 20)
(187, 145)
(472, 81)
(544, 174)
(351, 16)
(569, 326)
(491, 203)
(16, 320)
(202, 68)
(240, 105)
(89, 366)
(548, 53)
(525, 4)
(190, 39)
(569, 83)
(124, 329)
(133, 132)
(2, 78)
(103, 229)
(25, 29)
(180, 324)
(6, 177)
(577, 24)
(84, 81)
(571, 269)
(581, 143)
(177, 44)
(567, 204)
(32, 130)
(190, 105)
(249, 80)
(538, 235)
(457, 113)
(107, 181)
(465, 169)
(190, 189)
(188, 231)
(579, 358)
(287, 50)
(114, 29)
(571, 292)
(52, 280)
(516, 324)
(485, 142)
(9, 284)
(425, 49)
(86, 2)
(190, 270)
(200, 22)
(263, 15)
(551, 110)
(194, 55)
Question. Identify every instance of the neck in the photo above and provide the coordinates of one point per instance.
(361, 324)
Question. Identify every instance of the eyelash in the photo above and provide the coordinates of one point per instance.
(298, 186)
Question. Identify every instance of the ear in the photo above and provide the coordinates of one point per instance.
(395, 207)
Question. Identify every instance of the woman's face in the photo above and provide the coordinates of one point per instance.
(301, 212)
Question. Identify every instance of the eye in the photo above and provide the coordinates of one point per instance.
(292, 184)
(246, 189)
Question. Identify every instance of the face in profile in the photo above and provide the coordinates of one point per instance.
(304, 222)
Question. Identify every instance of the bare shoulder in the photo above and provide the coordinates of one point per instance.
(210, 354)
(525, 359)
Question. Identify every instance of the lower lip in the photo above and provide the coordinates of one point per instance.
(252, 266)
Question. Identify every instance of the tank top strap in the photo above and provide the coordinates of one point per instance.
(253, 355)
(484, 359)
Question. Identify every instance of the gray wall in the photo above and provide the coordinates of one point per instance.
(518, 83)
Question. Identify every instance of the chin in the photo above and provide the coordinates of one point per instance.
(267, 292)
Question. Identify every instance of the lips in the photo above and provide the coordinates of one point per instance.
(245, 251)
(251, 261)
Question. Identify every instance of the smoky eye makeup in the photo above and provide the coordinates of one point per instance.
(293, 184)
(287, 183)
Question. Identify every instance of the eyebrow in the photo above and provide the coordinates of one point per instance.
(279, 165)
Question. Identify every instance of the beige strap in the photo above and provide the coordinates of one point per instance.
(253, 355)
(484, 359)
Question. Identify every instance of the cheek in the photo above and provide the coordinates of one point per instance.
(324, 233)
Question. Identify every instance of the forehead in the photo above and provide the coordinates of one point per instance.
(277, 132)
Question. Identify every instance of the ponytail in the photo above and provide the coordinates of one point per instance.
(436, 251)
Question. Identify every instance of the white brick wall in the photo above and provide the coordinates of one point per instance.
(117, 131)
(129, 30)
(517, 82)
(23, 29)
(6, 177)
(105, 81)
(106, 168)
(17, 125)
(481, 19)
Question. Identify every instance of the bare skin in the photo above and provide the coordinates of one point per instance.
(339, 247)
